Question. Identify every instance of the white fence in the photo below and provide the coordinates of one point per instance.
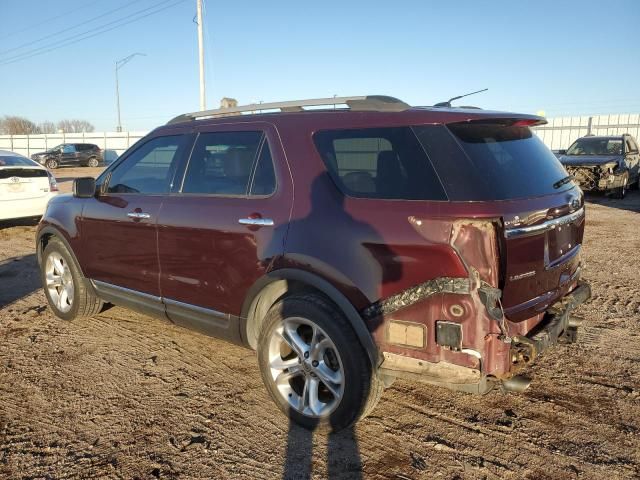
(561, 132)
(558, 134)
(113, 144)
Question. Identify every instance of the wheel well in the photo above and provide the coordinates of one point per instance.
(43, 241)
(282, 283)
(268, 297)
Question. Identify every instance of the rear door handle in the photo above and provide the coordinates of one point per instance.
(138, 215)
(259, 222)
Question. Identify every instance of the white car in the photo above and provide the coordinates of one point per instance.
(25, 186)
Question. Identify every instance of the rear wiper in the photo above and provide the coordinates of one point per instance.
(563, 181)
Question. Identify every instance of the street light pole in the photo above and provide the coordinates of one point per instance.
(119, 64)
(203, 99)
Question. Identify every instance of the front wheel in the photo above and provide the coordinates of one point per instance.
(314, 366)
(621, 191)
(51, 163)
(64, 285)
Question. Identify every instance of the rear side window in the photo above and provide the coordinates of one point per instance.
(384, 163)
(491, 161)
(221, 163)
(150, 168)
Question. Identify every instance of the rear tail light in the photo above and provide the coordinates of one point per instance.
(53, 185)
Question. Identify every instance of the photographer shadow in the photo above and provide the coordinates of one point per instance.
(377, 263)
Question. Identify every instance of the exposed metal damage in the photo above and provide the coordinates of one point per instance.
(416, 294)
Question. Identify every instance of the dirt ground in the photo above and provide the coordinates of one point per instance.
(127, 396)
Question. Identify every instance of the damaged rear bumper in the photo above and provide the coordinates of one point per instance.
(559, 325)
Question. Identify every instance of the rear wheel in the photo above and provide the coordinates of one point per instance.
(93, 162)
(64, 285)
(51, 163)
(314, 366)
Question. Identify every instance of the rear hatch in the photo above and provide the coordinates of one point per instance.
(24, 182)
(500, 169)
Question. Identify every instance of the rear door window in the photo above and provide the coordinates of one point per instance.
(221, 163)
(384, 163)
(150, 168)
(264, 177)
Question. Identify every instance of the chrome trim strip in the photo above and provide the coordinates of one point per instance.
(545, 226)
(261, 222)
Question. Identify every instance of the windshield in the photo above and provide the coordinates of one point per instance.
(15, 161)
(596, 146)
(492, 161)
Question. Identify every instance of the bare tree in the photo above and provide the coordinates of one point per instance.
(47, 127)
(75, 126)
(12, 125)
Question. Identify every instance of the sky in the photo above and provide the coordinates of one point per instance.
(561, 57)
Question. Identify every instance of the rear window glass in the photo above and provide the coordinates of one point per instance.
(491, 161)
(385, 163)
(15, 161)
(22, 172)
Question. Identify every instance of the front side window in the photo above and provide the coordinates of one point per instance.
(385, 163)
(596, 146)
(150, 168)
(221, 163)
(68, 149)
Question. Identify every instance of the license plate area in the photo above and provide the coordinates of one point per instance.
(559, 241)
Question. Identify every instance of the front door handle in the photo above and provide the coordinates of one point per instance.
(258, 222)
(138, 215)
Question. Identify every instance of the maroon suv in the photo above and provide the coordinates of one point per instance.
(348, 245)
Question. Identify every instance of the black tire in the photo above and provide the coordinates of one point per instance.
(85, 303)
(621, 192)
(362, 386)
(93, 162)
(51, 163)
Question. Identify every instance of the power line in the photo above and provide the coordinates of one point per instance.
(88, 34)
(51, 19)
(73, 27)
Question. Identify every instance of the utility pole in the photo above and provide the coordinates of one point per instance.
(119, 64)
(203, 98)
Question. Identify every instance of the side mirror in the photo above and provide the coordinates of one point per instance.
(84, 187)
(562, 152)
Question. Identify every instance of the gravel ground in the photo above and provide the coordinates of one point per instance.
(127, 396)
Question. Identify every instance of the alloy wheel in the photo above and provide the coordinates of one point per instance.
(306, 367)
(59, 282)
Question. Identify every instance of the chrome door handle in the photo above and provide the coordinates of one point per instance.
(138, 215)
(260, 222)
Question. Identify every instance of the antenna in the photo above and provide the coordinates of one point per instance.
(447, 104)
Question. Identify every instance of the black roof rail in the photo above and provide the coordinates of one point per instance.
(371, 103)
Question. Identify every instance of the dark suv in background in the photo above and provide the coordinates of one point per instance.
(348, 245)
(608, 164)
(66, 154)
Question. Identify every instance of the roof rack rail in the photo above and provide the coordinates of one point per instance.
(369, 103)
